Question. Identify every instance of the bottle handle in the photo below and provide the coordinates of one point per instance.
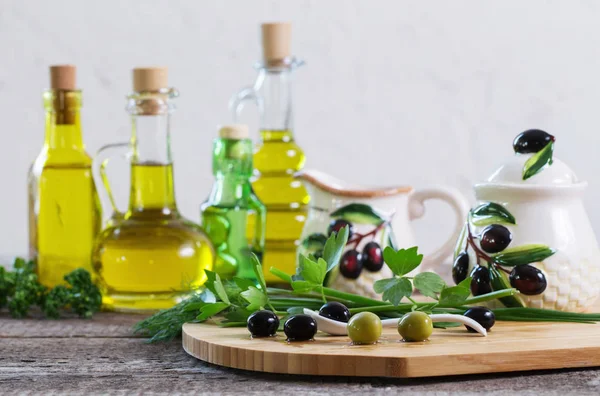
(239, 99)
(433, 261)
(99, 166)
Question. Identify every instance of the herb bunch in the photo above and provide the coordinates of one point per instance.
(230, 302)
(20, 290)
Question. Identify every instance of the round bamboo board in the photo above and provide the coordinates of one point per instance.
(509, 346)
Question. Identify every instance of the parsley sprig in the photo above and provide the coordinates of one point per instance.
(230, 302)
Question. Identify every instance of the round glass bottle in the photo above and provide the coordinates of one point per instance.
(149, 257)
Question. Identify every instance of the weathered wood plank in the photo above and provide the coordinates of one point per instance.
(121, 365)
(103, 324)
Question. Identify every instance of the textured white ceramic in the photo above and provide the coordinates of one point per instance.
(554, 216)
(401, 204)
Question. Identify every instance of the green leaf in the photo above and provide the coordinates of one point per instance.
(238, 315)
(460, 243)
(220, 290)
(403, 261)
(522, 255)
(393, 289)
(391, 238)
(210, 310)
(314, 242)
(429, 284)
(491, 213)
(359, 214)
(456, 295)
(302, 286)
(500, 281)
(538, 162)
(334, 247)
(255, 297)
(211, 278)
(258, 271)
(243, 283)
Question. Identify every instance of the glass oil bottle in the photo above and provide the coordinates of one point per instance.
(232, 216)
(277, 156)
(64, 210)
(149, 257)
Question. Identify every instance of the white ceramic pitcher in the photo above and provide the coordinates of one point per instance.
(382, 215)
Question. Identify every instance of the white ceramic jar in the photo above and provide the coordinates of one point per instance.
(548, 210)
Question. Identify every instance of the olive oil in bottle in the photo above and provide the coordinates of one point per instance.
(232, 216)
(277, 156)
(150, 257)
(64, 211)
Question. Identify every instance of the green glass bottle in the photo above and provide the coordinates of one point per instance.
(232, 216)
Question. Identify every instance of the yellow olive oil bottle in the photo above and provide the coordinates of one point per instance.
(277, 156)
(149, 257)
(64, 210)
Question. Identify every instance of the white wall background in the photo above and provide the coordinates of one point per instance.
(395, 92)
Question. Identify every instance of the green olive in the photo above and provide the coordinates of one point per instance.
(364, 328)
(415, 326)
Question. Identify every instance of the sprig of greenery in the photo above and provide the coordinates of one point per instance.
(233, 301)
(20, 290)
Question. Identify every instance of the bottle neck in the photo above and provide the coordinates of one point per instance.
(232, 168)
(276, 89)
(63, 120)
(230, 190)
(152, 185)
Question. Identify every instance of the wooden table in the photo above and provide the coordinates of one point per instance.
(102, 356)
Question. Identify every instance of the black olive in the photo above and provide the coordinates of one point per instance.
(528, 280)
(351, 264)
(300, 328)
(335, 311)
(263, 324)
(372, 257)
(495, 238)
(481, 315)
(480, 284)
(337, 225)
(531, 141)
(460, 268)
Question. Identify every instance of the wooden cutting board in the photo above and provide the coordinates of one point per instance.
(510, 346)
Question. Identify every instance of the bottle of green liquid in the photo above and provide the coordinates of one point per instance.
(232, 216)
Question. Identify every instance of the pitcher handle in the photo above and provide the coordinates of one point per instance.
(416, 206)
(99, 165)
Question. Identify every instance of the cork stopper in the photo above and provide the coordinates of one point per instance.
(150, 78)
(234, 131)
(63, 77)
(276, 41)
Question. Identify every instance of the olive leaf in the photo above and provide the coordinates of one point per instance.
(462, 240)
(314, 242)
(500, 281)
(538, 162)
(391, 238)
(359, 214)
(522, 255)
(491, 213)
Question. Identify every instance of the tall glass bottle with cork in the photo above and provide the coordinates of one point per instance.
(149, 257)
(277, 156)
(232, 216)
(64, 211)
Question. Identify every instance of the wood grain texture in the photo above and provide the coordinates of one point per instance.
(509, 347)
(98, 357)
